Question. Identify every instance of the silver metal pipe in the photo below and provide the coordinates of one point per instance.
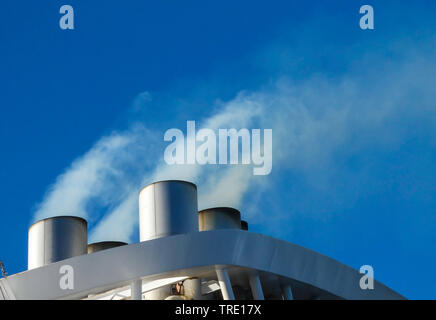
(244, 225)
(219, 218)
(136, 290)
(256, 287)
(104, 245)
(55, 239)
(167, 208)
(287, 292)
(225, 284)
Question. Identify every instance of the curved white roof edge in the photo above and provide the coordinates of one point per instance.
(189, 255)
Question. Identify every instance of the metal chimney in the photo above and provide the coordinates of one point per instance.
(244, 225)
(167, 208)
(103, 245)
(219, 218)
(55, 239)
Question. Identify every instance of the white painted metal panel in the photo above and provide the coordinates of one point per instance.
(198, 254)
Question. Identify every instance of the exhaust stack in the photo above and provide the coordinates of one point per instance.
(167, 208)
(103, 245)
(244, 225)
(219, 218)
(55, 239)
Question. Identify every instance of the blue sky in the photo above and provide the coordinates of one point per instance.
(84, 111)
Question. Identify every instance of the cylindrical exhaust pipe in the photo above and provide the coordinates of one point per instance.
(103, 245)
(244, 225)
(55, 239)
(167, 208)
(219, 218)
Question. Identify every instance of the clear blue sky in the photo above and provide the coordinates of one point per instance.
(367, 198)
